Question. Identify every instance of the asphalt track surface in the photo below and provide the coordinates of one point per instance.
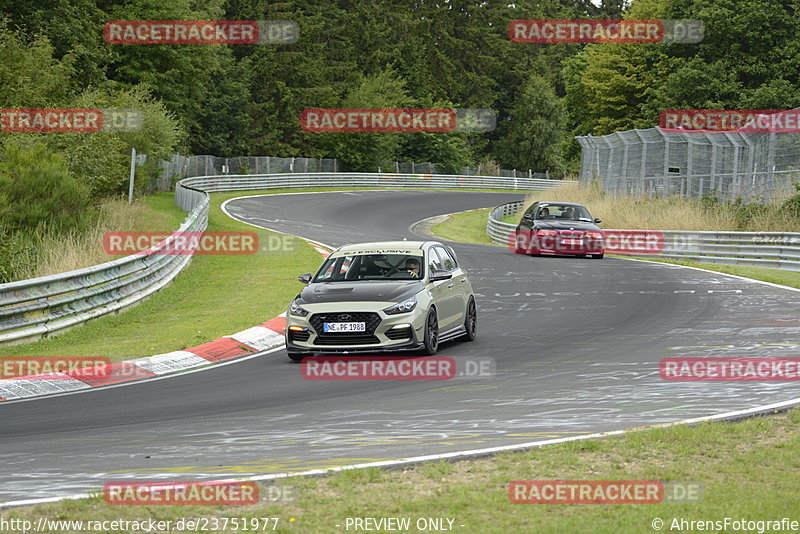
(576, 343)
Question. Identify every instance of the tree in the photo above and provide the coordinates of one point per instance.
(531, 135)
(366, 151)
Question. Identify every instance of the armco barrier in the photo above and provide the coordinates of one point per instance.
(776, 250)
(190, 190)
(32, 309)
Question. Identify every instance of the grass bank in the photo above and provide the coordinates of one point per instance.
(214, 296)
(745, 470)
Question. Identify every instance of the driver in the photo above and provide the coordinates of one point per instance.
(544, 212)
(412, 266)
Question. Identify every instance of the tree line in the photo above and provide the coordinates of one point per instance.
(234, 100)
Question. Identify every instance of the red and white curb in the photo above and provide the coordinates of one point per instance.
(256, 339)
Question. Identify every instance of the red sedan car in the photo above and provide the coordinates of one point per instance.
(559, 228)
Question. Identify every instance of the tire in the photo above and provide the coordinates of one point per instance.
(296, 356)
(470, 322)
(597, 256)
(517, 248)
(431, 340)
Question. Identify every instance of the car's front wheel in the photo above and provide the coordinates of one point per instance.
(431, 340)
(470, 322)
(295, 356)
(597, 256)
(519, 243)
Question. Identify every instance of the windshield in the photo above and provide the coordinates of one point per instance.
(371, 267)
(563, 212)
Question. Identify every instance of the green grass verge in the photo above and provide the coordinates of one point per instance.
(470, 227)
(745, 469)
(215, 295)
(775, 276)
(467, 226)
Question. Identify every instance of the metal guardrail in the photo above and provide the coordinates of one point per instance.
(32, 309)
(776, 250)
(190, 190)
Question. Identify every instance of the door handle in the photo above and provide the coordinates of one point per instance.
(450, 286)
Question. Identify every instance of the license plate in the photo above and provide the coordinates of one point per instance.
(344, 327)
(572, 241)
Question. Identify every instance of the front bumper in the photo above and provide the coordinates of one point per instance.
(567, 243)
(384, 333)
(336, 349)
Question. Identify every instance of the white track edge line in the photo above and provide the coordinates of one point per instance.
(737, 414)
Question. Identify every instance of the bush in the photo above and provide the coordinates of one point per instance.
(37, 190)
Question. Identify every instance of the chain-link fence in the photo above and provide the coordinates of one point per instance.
(729, 165)
(180, 167)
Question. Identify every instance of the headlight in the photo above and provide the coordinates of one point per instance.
(296, 309)
(401, 307)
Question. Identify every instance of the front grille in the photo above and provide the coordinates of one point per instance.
(570, 233)
(371, 320)
(399, 333)
(346, 339)
(294, 335)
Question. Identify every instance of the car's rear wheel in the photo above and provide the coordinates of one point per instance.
(431, 340)
(597, 256)
(296, 356)
(470, 322)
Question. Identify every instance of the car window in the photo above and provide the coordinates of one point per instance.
(447, 260)
(434, 262)
(563, 212)
(371, 267)
(335, 269)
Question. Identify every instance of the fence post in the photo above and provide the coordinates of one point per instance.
(768, 185)
(133, 172)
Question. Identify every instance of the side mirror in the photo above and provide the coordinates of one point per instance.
(305, 278)
(528, 216)
(441, 275)
(596, 220)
